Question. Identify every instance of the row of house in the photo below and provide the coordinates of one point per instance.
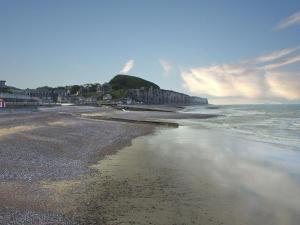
(14, 97)
(77, 94)
(73, 94)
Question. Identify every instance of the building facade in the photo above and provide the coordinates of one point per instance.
(2, 83)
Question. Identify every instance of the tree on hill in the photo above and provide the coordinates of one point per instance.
(125, 82)
(74, 89)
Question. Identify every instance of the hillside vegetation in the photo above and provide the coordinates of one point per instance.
(125, 82)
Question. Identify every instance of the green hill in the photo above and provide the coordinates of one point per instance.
(125, 82)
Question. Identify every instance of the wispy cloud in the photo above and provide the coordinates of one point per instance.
(289, 21)
(283, 62)
(167, 67)
(248, 78)
(127, 67)
(286, 85)
(273, 55)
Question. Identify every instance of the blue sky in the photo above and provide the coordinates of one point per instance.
(172, 43)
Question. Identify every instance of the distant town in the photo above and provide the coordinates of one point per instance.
(122, 89)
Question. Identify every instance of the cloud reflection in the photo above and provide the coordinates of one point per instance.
(246, 172)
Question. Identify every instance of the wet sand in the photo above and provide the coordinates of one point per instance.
(169, 177)
(57, 144)
(136, 186)
(62, 166)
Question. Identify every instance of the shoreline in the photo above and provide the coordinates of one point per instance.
(162, 178)
(58, 166)
(58, 145)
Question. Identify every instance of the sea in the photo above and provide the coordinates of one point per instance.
(277, 124)
(249, 155)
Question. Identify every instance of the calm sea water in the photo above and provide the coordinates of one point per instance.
(277, 124)
(251, 154)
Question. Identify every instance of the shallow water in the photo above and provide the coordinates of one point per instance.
(253, 182)
(277, 124)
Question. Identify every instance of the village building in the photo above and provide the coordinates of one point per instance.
(106, 88)
(2, 103)
(2, 83)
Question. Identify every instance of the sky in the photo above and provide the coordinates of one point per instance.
(228, 51)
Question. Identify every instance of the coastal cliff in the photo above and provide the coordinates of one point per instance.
(138, 90)
(161, 96)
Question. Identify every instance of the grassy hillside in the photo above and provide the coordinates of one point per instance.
(125, 82)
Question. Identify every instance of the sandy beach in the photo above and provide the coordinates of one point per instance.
(61, 145)
(82, 165)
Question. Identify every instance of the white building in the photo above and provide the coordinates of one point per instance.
(2, 103)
